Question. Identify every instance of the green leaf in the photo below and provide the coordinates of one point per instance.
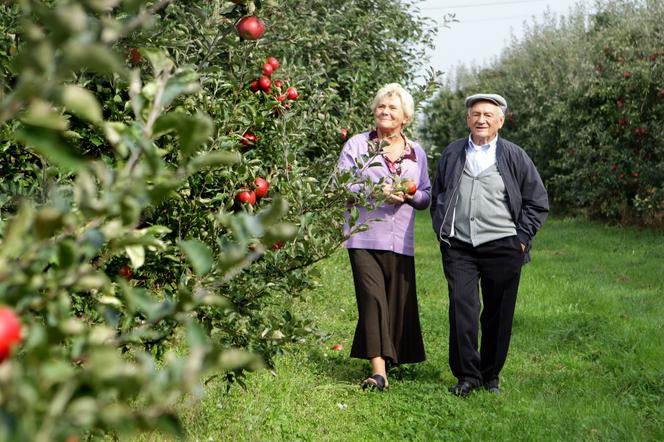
(274, 211)
(92, 57)
(213, 159)
(196, 336)
(41, 114)
(103, 5)
(158, 59)
(47, 221)
(15, 232)
(82, 103)
(160, 191)
(198, 255)
(131, 6)
(52, 145)
(231, 255)
(234, 359)
(145, 302)
(56, 371)
(280, 232)
(66, 253)
(136, 254)
(130, 210)
(184, 81)
(192, 130)
(92, 281)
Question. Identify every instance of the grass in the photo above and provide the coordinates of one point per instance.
(586, 360)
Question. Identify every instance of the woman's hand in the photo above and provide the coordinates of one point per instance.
(392, 197)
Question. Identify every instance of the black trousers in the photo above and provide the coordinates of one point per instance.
(388, 323)
(496, 268)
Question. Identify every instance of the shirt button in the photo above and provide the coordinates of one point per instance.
(472, 219)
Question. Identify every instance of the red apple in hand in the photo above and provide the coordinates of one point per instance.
(246, 197)
(261, 187)
(10, 331)
(250, 28)
(411, 188)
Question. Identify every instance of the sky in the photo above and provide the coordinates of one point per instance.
(484, 27)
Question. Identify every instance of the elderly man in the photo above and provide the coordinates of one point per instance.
(488, 201)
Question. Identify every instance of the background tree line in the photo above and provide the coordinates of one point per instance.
(586, 98)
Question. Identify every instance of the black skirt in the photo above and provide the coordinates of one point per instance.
(388, 322)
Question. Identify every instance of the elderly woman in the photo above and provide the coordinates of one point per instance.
(382, 257)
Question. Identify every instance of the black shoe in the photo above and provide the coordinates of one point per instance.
(463, 389)
(492, 386)
(375, 382)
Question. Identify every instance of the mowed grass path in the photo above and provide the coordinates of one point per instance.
(586, 360)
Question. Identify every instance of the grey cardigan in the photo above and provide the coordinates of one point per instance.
(527, 198)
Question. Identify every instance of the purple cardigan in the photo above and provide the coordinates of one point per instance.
(393, 230)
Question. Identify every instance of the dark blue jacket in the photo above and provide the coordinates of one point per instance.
(526, 195)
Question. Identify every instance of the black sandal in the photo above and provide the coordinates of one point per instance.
(375, 382)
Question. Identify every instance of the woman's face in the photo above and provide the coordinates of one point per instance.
(389, 114)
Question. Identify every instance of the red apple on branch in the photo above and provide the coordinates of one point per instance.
(249, 139)
(267, 69)
(261, 187)
(265, 83)
(246, 197)
(291, 93)
(126, 272)
(10, 331)
(250, 28)
(134, 55)
(274, 62)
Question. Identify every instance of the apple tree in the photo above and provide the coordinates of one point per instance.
(130, 131)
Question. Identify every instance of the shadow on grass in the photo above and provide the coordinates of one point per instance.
(341, 368)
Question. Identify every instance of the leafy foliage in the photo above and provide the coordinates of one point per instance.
(135, 271)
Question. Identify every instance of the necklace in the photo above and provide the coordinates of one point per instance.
(394, 166)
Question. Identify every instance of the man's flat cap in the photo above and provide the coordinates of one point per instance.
(493, 98)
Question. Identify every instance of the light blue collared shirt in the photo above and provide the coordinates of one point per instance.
(479, 158)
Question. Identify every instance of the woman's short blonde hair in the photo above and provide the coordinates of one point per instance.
(406, 99)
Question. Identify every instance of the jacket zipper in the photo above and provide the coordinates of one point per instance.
(456, 192)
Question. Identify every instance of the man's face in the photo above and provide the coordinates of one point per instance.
(484, 120)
